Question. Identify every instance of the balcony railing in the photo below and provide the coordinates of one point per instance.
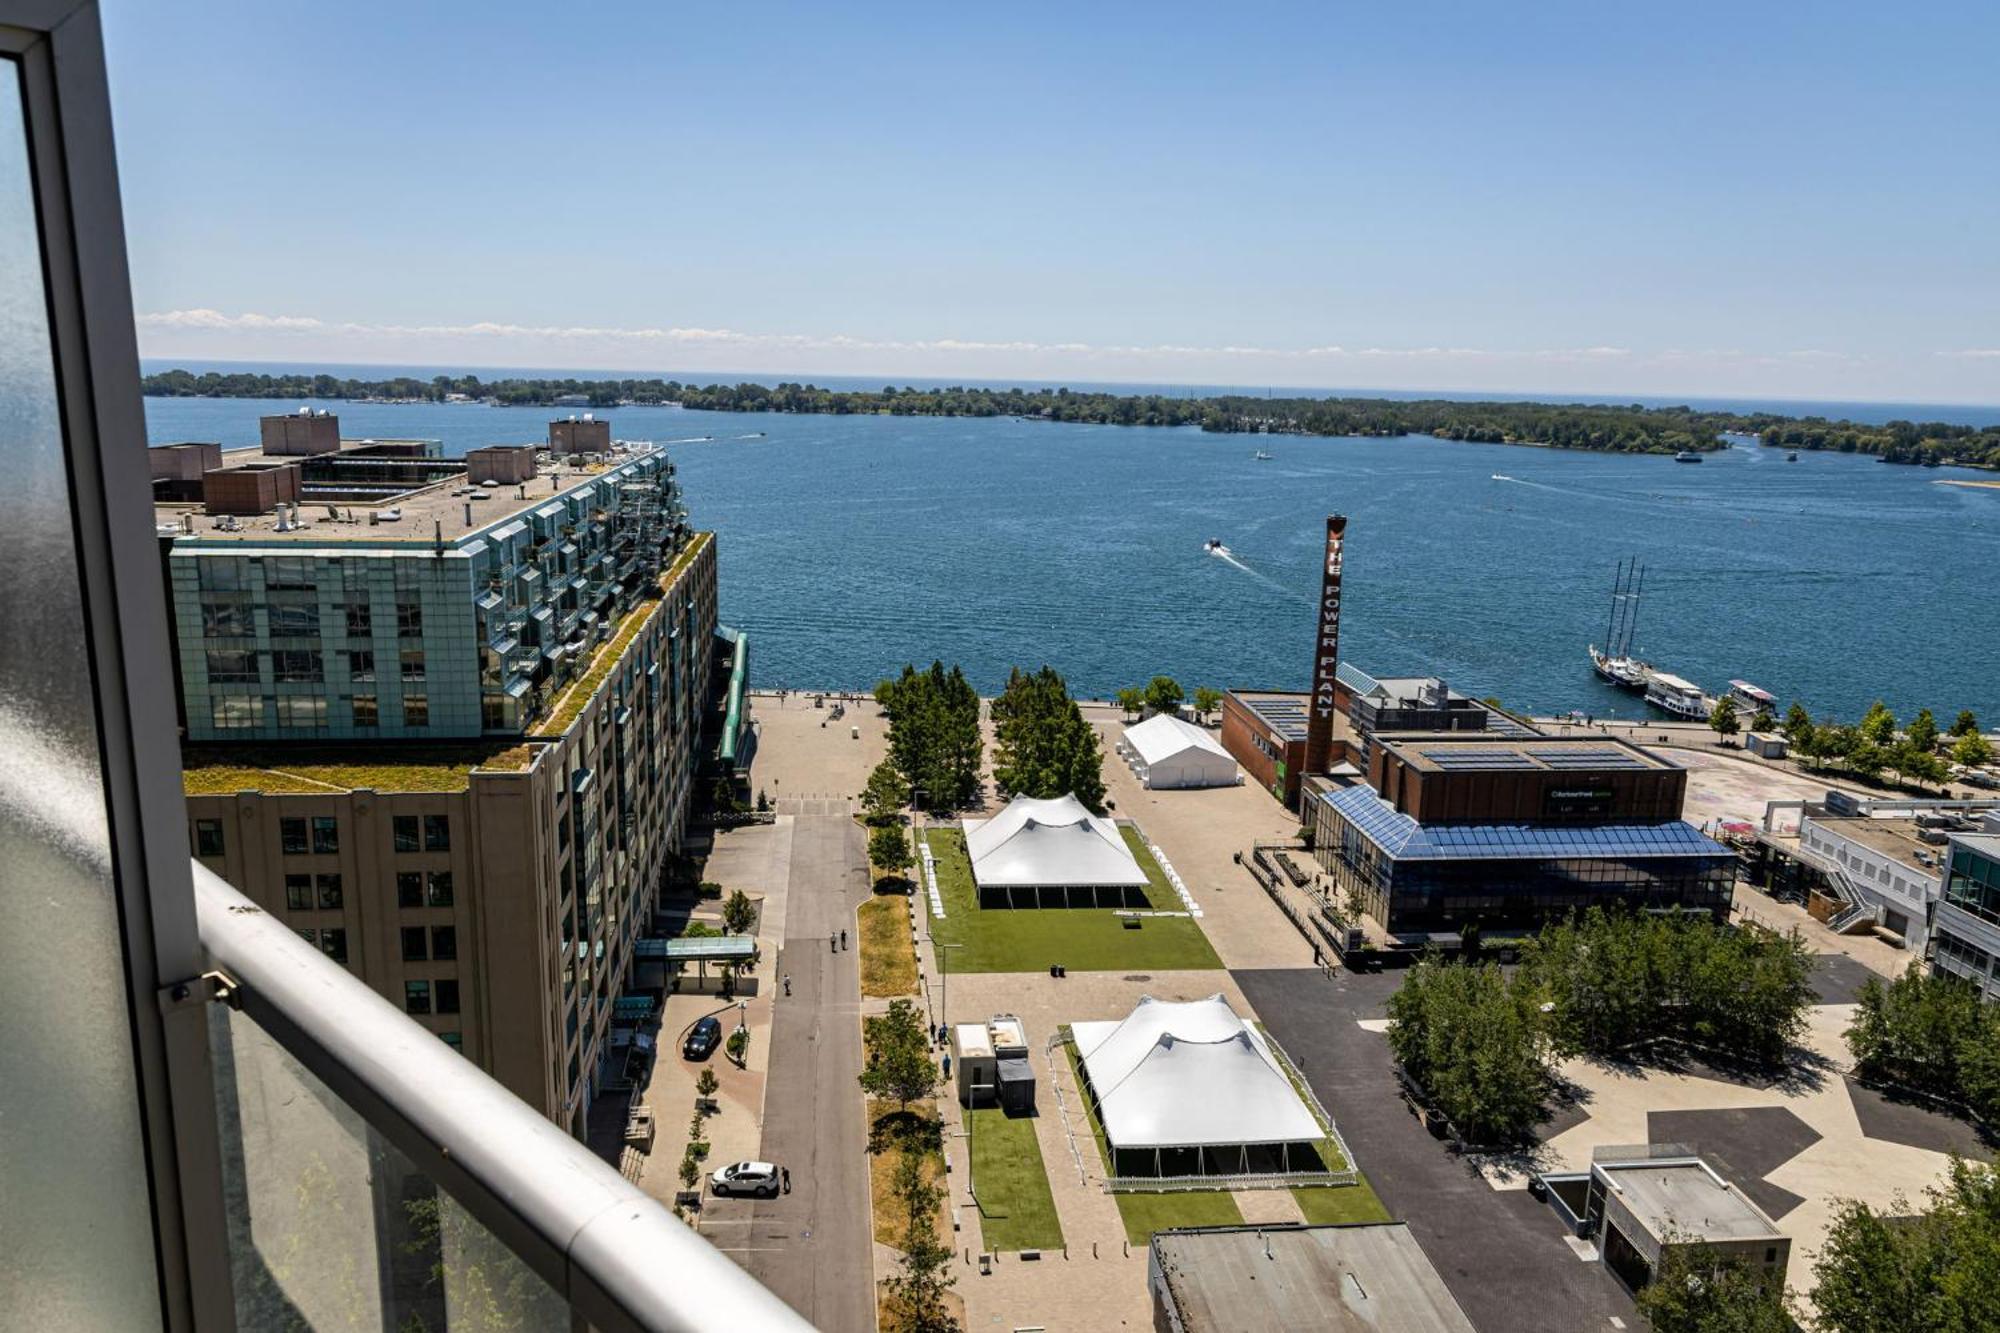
(373, 1178)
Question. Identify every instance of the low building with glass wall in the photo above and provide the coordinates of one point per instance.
(1965, 934)
(1507, 834)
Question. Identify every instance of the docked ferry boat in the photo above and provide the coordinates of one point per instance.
(1679, 696)
(1752, 699)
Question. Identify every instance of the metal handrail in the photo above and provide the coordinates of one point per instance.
(614, 1253)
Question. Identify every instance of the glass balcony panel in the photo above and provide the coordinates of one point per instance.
(76, 1235)
(331, 1227)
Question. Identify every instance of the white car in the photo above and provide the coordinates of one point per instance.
(758, 1178)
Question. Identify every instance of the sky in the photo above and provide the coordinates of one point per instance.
(1715, 199)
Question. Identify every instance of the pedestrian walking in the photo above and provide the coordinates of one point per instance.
(785, 1175)
(788, 983)
(843, 940)
(831, 947)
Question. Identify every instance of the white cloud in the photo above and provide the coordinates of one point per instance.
(1975, 353)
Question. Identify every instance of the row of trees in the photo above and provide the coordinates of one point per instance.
(934, 738)
(1163, 694)
(900, 1067)
(1482, 1045)
(1596, 426)
(1935, 1269)
(1875, 744)
(1614, 980)
(1043, 747)
(1930, 1032)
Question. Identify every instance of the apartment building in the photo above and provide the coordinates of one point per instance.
(457, 766)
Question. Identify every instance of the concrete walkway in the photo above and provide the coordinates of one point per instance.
(812, 1246)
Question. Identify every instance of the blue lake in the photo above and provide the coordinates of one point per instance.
(852, 544)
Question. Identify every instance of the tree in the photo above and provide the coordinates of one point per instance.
(1472, 1039)
(1764, 721)
(1937, 1272)
(917, 1293)
(899, 1055)
(1878, 725)
(1044, 746)
(1972, 751)
(1206, 700)
(1912, 1031)
(1163, 694)
(1965, 724)
(1723, 718)
(885, 794)
(1798, 728)
(889, 849)
(738, 913)
(1923, 731)
(934, 737)
(1132, 700)
(1697, 1289)
(706, 1085)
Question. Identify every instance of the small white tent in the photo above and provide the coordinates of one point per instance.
(1167, 752)
(1049, 845)
(1193, 1079)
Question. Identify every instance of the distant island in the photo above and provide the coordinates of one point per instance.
(1599, 427)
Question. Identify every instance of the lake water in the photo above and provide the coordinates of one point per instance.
(850, 545)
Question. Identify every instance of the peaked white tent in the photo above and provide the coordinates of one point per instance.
(1167, 752)
(1187, 1088)
(1049, 845)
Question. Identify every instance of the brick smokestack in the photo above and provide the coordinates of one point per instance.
(1326, 651)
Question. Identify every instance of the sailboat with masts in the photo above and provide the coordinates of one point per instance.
(1615, 662)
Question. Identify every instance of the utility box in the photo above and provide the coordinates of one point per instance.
(1765, 747)
(991, 1062)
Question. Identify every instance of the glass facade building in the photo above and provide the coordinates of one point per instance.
(1421, 879)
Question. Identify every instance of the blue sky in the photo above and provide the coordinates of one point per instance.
(1750, 199)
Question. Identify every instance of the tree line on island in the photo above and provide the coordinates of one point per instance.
(1600, 427)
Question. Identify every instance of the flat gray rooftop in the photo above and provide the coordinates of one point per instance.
(1682, 1198)
(1349, 1279)
(422, 514)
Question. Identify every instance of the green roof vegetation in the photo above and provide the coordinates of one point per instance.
(1086, 939)
(308, 772)
(569, 705)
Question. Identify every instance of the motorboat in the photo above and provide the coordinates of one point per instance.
(1687, 456)
(1214, 546)
(1262, 456)
(1792, 457)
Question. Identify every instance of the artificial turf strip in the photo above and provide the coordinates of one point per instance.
(1016, 1210)
(1083, 939)
(1335, 1204)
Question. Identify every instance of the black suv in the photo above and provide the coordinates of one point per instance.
(702, 1039)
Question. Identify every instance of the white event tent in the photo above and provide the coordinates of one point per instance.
(1167, 752)
(1039, 848)
(1188, 1088)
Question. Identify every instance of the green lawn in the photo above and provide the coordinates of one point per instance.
(1016, 1210)
(1146, 1213)
(1027, 939)
(1341, 1203)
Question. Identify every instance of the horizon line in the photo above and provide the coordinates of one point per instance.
(1029, 384)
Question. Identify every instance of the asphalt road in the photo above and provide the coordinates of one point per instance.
(1500, 1252)
(813, 1247)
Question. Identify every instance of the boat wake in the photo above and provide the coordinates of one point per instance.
(1501, 476)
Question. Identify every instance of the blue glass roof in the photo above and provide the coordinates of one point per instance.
(1405, 839)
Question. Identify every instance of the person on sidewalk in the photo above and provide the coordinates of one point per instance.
(831, 947)
(788, 983)
(843, 941)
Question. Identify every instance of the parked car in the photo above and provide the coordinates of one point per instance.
(756, 1178)
(702, 1039)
